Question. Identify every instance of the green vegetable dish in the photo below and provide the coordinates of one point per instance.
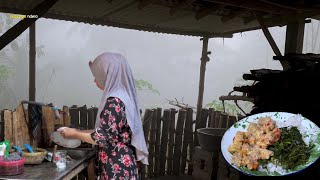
(290, 151)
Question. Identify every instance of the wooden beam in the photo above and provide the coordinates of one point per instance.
(207, 10)
(295, 36)
(294, 41)
(144, 3)
(204, 60)
(175, 8)
(118, 9)
(22, 25)
(268, 35)
(278, 20)
(255, 5)
(32, 62)
(232, 15)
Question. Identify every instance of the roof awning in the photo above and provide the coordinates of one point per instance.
(212, 18)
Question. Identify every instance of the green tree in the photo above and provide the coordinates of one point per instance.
(145, 85)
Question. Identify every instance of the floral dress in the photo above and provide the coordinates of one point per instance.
(115, 156)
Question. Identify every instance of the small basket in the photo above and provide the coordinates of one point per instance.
(35, 158)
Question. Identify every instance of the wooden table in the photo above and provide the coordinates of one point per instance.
(49, 171)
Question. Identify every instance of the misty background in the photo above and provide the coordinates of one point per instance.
(170, 63)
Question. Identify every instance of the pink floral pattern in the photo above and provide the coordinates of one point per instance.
(115, 157)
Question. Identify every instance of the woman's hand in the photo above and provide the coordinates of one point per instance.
(69, 133)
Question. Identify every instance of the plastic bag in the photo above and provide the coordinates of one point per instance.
(5, 148)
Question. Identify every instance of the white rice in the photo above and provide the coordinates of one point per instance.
(297, 121)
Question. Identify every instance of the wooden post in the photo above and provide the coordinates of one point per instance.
(83, 117)
(294, 39)
(91, 120)
(178, 141)
(74, 115)
(200, 123)
(217, 118)
(48, 123)
(172, 124)
(147, 119)
(186, 139)
(22, 25)
(204, 60)
(158, 143)
(95, 113)
(152, 143)
(32, 62)
(8, 125)
(231, 121)
(223, 120)
(164, 141)
(2, 126)
(66, 116)
(211, 117)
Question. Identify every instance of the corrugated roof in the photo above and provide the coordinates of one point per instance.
(217, 18)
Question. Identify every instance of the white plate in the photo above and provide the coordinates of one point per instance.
(61, 141)
(280, 118)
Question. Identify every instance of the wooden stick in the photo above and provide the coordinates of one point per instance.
(22, 25)
(268, 35)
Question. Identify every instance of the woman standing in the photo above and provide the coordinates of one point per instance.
(118, 135)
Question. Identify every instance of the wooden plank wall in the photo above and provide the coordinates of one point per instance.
(170, 134)
(14, 124)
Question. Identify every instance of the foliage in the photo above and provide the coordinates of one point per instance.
(230, 109)
(145, 85)
(4, 72)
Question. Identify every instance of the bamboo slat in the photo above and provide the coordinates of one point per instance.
(178, 141)
(8, 125)
(223, 120)
(74, 115)
(187, 139)
(164, 141)
(157, 147)
(172, 124)
(83, 117)
(66, 116)
(91, 123)
(152, 142)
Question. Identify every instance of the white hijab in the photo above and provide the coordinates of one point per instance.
(112, 71)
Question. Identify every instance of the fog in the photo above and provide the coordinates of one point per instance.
(171, 63)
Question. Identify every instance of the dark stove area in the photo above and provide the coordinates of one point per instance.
(295, 90)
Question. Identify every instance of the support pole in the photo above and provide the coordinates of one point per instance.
(22, 25)
(294, 37)
(204, 60)
(32, 62)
